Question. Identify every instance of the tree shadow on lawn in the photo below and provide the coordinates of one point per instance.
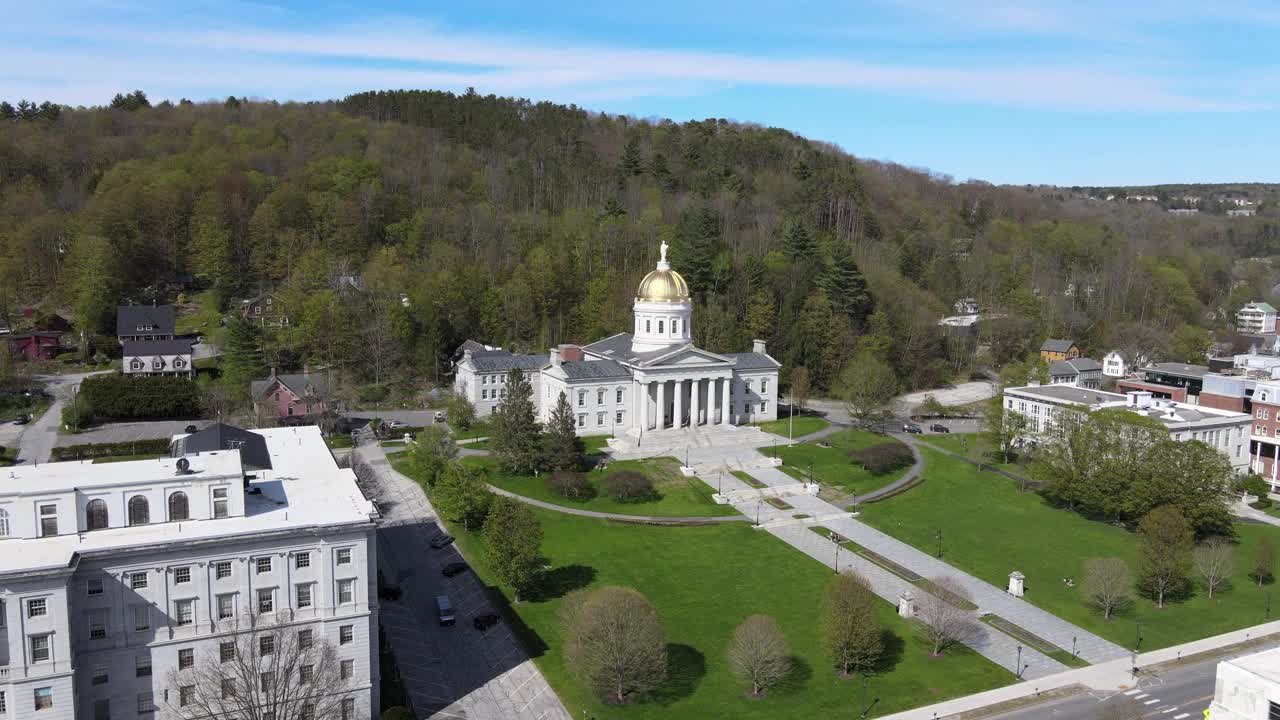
(686, 666)
(893, 646)
(529, 638)
(797, 680)
(560, 581)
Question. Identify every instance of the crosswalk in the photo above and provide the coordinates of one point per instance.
(1146, 701)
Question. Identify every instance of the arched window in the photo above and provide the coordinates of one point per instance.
(4, 523)
(139, 511)
(178, 507)
(95, 515)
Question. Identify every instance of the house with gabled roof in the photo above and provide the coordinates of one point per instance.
(291, 398)
(136, 323)
(1055, 350)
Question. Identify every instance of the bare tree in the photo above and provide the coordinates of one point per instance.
(615, 641)
(758, 654)
(1108, 585)
(1214, 560)
(942, 623)
(268, 672)
(850, 628)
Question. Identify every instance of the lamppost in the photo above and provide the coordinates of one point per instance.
(835, 540)
(811, 473)
(866, 710)
(720, 483)
(758, 511)
(1073, 646)
(1268, 604)
(939, 542)
(1019, 663)
(791, 422)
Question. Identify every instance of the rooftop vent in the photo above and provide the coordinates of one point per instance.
(183, 465)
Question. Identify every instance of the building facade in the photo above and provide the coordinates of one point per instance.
(1114, 365)
(1247, 688)
(651, 379)
(116, 578)
(294, 395)
(1081, 372)
(158, 357)
(1054, 350)
(1256, 318)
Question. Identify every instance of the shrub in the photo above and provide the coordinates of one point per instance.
(156, 446)
(123, 397)
(569, 484)
(1254, 485)
(883, 458)
(629, 486)
(1261, 503)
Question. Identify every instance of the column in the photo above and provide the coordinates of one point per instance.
(678, 388)
(644, 406)
(695, 387)
(728, 407)
(662, 405)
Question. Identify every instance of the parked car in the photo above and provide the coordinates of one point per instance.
(190, 429)
(485, 621)
(439, 416)
(912, 429)
(454, 568)
(22, 420)
(444, 610)
(397, 424)
(939, 428)
(441, 540)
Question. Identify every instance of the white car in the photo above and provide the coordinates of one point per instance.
(397, 424)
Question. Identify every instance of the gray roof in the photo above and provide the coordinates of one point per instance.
(1071, 394)
(618, 347)
(1055, 345)
(1178, 369)
(162, 317)
(503, 361)
(1073, 367)
(593, 369)
(297, 382)
(252, 446)
(753, 361)
(180, 346)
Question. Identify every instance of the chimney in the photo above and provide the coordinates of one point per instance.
(555, 357)
(759, 346)
(570, 353)
(273, 372)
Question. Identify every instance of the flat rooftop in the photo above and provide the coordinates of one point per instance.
(55, 477)
(306, 489)
(1070, 393)
(1178, 369)
(1166, 411)
(1265, 664)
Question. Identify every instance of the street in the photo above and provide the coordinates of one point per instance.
(40, 437)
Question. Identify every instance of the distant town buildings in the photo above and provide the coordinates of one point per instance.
(1081, 372)
(1256, 318)
(1114, 365)
(1241, 212)
(1055, 350)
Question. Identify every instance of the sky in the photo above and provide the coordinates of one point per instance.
(1065, 92)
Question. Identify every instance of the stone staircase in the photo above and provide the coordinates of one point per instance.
(674, 441)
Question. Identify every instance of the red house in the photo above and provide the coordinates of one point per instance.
(39, 345)
(300, 395)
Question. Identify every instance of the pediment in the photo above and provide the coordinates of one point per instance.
(688, 356)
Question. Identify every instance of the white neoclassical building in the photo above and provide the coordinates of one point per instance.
(649, 380)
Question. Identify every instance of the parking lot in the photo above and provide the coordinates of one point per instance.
(128, 432)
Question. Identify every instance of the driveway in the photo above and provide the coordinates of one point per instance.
(40, 437)
(129, 432)
(961, 394)
(415, 418)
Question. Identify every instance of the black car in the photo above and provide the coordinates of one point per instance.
(441, 540)
(939, 428)
(454, 568)
(485, 621)
(21, 420)
(191, 429)
(912, 429)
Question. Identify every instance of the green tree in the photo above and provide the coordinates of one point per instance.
(815, 343)
(630, 164)
(95, 270)
(562, 448)
(1165, 543)
(461, 412)
(850, 629)
(867, 385)
(846, 286)
(243, 359)
(1191, 344)
(798, 393)
(462, 495)
(1263, 569)
(1004, 428)
(513, 543)
(798, 242)
(515, 438)
(432, 451)
(615, 642)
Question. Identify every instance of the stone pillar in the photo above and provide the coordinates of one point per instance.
(1016, 583)
(677, 387)
(644, 406)
(906, 604)
(662, 405)
(728, 400)
(695, 389)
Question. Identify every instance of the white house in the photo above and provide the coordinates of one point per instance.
(1114, 365)
(1082, 372)
(967, 306)
(1242, 212)
(1256, 318)
(651, 379)
(114, 575)
(1247, 688)
(158, 357)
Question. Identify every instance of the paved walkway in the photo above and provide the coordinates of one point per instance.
(1242, 510)
(644, 519)
(452, 672)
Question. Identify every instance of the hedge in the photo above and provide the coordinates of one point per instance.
(156, 446)
(125, 397)
(883, 458)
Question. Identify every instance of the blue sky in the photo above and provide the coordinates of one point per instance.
(1058, 91)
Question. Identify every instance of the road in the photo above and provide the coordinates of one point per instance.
(40, 437)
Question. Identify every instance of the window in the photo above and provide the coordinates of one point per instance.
(599, 418)
(764, 407)
(186, 695)
(186, 658)
(346, 591)
(302, 560)
(659, 327)
(228, 688)
(101, 710)
(582, 420)
(346, 634)
(344, 556)
(262, 565)
(44, 698)
(226, 651)
(646, 326)
(39, 648)
(266, 601)
(307, 712)
(99, 675)
(675, 327)
(304, 596)
(135, 364)
(142, 666)
(139, 511)
(48, 520)
(181, 575)
(764, 386)
(141, 618)
(185, 611)
(93, 587)
(305, 640)
(347, 668)
(600, 396)
(37, 607)
(95, 515)
(4, 706)
(1273, 711)
(138, 580)
(266, 680)
(306, 673)
(97, 624)
(266, 645)
(222, 569)
(582, 398)
(618, 395)
(219, 502)
(617, 417)
(348, 708)
(178, 507)
(146, 703)
(484, 394)
(4, 523)
(226, 606)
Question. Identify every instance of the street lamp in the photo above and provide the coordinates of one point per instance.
(939, 542)
(835, 540)
(1073, 646)
(758, 511)
(810, 472)
(866, 710)
(1019, 663)
(720, 483)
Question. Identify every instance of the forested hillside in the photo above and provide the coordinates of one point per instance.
(528, 224)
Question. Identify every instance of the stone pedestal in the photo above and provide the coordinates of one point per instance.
(1016, 582)
(906, 604)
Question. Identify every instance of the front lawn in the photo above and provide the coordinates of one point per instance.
(678, 496)
(832, 465)
(478, 429)
(703, 581)
(976, 446)
(804, 424)
(201, 317)
(991, 528)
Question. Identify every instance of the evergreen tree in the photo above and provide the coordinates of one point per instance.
(846, 286)
(798, 242)
(513, 543)
(630, 164)
(562, 446)
(694, 248)
(516, 438)
(815, 342)
(243, 359)
(96, 269)
(662, 173)
(7, 111)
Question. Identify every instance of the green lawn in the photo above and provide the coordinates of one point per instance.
(479, 428)
(990, 529)
(339, 441)
(679, 496)
(973, 445)
(203, 320)
(832, 466)
(804, 424)
(703, 582)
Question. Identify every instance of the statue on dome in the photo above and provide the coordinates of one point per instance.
(663, 250)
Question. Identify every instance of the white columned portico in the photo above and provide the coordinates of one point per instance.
(677, 417)
(728, 412)
(644, 405)
(695, 388)
(662, 405)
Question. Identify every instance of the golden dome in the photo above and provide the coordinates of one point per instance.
(663, 285)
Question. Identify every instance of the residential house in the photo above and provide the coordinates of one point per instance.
(1114, 365)
(1053, 350)
(1265, 446)
(145, 322)
(966, 306)
(1256, 318)
(1184, 211)
(266, 309)
(297, 395)
(1081, 372)
(1241, 212)
(36, 345)
(158, 357)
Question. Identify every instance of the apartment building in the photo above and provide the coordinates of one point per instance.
(116, 577)
(1256, 318)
